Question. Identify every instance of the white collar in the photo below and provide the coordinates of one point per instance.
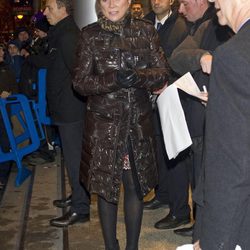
(163, 20)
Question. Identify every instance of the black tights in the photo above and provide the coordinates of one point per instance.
(133, 210)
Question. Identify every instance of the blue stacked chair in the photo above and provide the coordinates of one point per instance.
(31, 115)
(41, 104)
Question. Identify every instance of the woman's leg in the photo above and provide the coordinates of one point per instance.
(133, 210)
(108, 218)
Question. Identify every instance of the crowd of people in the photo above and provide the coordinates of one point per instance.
(107, 76)
(19, 64)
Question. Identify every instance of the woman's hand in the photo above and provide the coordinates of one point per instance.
(127, 78)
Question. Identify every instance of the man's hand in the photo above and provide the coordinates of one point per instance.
(206, 62)
(203, 96)
(197, 245)
(24, 53)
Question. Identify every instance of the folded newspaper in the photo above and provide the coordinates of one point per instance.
(173, 122)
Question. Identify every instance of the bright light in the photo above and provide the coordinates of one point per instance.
(20, 17)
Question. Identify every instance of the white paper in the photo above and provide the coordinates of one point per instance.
(191, 247)
(186, 247)
(188, 85)
(173, 123)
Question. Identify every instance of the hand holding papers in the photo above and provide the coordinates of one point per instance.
(173, 123)
(188, 85)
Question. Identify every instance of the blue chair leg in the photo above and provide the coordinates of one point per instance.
(22, 174)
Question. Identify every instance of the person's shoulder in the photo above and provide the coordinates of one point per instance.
(68, 31)
(180, 19)
(228, 50)
(90, 30)
(144, 25)
(179, 23)
(142, 21)
(91, 27)
(150, 16)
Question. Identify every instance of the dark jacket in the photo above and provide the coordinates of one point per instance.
(224, 194)
(115, 115)
(172, 32)
(15, 63)
(29, 73)
(7, 79)
(64, 104)
(186, 57)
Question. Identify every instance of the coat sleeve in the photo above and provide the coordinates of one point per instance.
(85, 81)
(186, 57)
(40, 61)
(68, 49)
(156, 75)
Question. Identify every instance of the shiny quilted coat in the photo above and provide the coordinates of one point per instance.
(114, 114)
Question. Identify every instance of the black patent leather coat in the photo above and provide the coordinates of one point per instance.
(114, 114)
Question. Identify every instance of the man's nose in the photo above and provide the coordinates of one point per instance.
(45, 12)
(180, 8)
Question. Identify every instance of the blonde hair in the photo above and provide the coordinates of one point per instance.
(97, 7)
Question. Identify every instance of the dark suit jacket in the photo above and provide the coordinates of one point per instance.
(226, 186)
(172, 33)
(65, 105)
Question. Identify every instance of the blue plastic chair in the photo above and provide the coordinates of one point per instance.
(28, 118)
(31, 115)
(41, 104)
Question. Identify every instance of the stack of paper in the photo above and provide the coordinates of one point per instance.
(173, 122)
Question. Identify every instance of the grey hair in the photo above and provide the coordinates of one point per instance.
(67, 4)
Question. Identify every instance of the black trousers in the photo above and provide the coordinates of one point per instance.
(185, 171)
(173, 179)
(71, 135)
(161, 190)
(178, 184)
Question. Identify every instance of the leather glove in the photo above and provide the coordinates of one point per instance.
(127, 78)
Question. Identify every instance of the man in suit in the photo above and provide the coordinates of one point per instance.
(177, 178)
(194, 55)
(65, 106)
(223, 195)
(172, 30)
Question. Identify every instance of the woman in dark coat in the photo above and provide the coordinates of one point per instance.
(119, 63)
